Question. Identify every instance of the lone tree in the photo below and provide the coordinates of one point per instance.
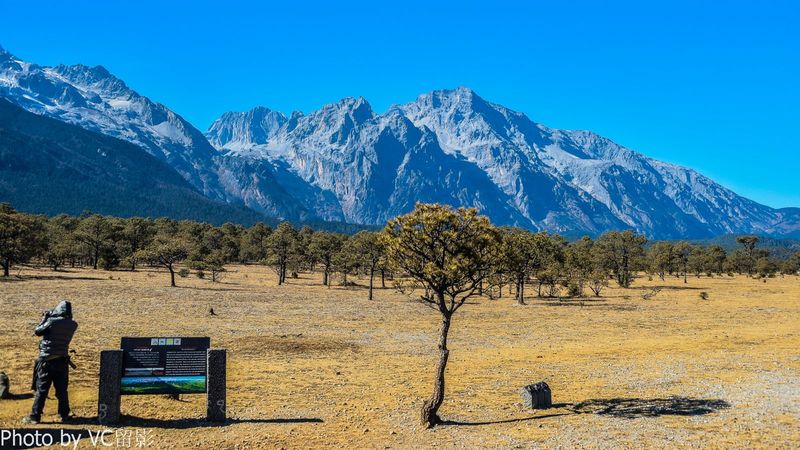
(165, 251)
(450, 252)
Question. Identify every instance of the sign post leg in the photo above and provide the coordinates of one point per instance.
(215, 385)
(108, 396)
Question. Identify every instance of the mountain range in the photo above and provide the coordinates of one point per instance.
(51, 167)
(346, 162)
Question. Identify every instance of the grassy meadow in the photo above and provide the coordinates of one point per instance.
(312, 367)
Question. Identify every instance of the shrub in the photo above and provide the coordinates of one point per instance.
(703, 295)
(183, 273)
(573, 290)
(108, 263)
(200, 274)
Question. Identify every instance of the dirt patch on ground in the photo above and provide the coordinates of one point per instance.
(296, 344)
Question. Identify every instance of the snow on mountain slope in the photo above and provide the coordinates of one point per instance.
(346, 162)
(467, 151)
(362, 167)
(92, 98)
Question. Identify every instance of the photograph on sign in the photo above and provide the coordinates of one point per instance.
(164, 365)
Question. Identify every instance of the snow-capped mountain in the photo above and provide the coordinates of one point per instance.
(94, 99)
(454, 147)
(346, 162)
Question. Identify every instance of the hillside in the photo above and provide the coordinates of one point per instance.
(51, 167)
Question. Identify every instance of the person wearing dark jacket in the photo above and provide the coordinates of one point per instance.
(52, 365)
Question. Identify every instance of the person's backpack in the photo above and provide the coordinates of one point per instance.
(5, 388)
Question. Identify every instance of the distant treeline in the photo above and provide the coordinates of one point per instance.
(552, 265)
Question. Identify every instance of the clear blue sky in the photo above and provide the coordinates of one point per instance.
(712, 85)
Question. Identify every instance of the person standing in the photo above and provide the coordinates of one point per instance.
(52, 366)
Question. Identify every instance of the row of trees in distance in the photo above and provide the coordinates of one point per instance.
(546, 262)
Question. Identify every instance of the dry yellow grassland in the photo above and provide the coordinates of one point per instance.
(312, 367)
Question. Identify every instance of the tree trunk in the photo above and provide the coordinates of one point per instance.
(383, 279)
(96, 257)
(429, 416)
(325, 277)
(171, 275)
(520, 291)
(371, 277)
(6, 267)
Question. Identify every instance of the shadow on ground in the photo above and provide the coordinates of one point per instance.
(630, 408)
(492, 422)
(18, 396)
(133, 421)
(678, 288)
(627, 408)
(598, 303)
(213, 289)
(22, 278)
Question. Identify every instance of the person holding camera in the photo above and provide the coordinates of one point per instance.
(52, 366)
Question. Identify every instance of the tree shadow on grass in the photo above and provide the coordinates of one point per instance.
(630, 408)
(584, 303)
(215, 289)
(677, 288)
(493, 422)
(133, 421)
(23, 278)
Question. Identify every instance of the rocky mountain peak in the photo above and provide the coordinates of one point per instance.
(254, 127)
(346, 162)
